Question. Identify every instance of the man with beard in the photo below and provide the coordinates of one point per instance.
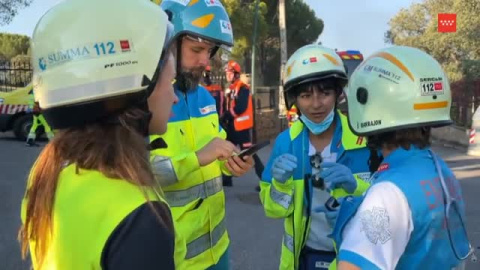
(190, 167)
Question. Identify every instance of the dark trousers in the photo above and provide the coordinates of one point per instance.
(311, 259)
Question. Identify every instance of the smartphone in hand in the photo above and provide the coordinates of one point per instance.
(253, 149)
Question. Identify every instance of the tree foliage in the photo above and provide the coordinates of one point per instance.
(9, 8)
(12, 45)
(417, 26)
(303, 27)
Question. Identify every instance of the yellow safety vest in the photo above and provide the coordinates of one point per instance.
(195, 194)
(88, 207)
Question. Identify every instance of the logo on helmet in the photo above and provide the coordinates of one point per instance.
(226, 27)
(125, 45)
(42, 64)
(383, 73)
(211, 3)
(63, 56)
(310, 60)
(371, 123)
(431, 86)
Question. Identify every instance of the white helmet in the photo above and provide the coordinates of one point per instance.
(88, 51)
(312, 63)
(397, 88)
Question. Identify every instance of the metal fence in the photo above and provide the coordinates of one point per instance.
(465, 100)
(267, 123)
(14, 75)
(266, 98)
(219, 79)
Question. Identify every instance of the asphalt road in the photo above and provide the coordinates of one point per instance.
(255, 239)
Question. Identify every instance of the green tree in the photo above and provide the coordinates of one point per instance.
(9, 8)
(417, 26)
(242, 15)
(12, 45)
(303, 27)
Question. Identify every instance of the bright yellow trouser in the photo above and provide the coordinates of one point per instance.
(39, 119)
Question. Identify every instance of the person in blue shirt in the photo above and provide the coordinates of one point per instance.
(319, 148)
(413, 214)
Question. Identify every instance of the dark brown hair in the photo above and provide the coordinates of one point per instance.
(419, 137)
(116, 150)
(322, 86)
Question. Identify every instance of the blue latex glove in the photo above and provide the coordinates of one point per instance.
(283, 167)
(337, 175)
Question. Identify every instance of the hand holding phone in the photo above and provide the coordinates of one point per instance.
(253, 149)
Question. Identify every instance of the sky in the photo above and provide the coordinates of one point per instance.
(349, 24)
(356, 24)
(27, 18)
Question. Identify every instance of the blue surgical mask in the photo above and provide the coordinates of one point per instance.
(318, 128)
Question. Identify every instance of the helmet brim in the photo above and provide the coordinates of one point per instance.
(319, 76)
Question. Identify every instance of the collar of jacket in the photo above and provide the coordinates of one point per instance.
(236, 85)
(400, 155)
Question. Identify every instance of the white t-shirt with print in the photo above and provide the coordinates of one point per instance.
(381, 228)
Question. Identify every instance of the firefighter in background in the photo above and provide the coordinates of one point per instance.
(38, 119)
(238, 116)
(214, 89)
(292, 115)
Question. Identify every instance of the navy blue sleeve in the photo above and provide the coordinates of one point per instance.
(141, 241)
(242, 101)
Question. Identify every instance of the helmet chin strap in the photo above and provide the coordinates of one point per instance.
(214, 51)
(179, 80)
(143, 123)
(140, 125)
